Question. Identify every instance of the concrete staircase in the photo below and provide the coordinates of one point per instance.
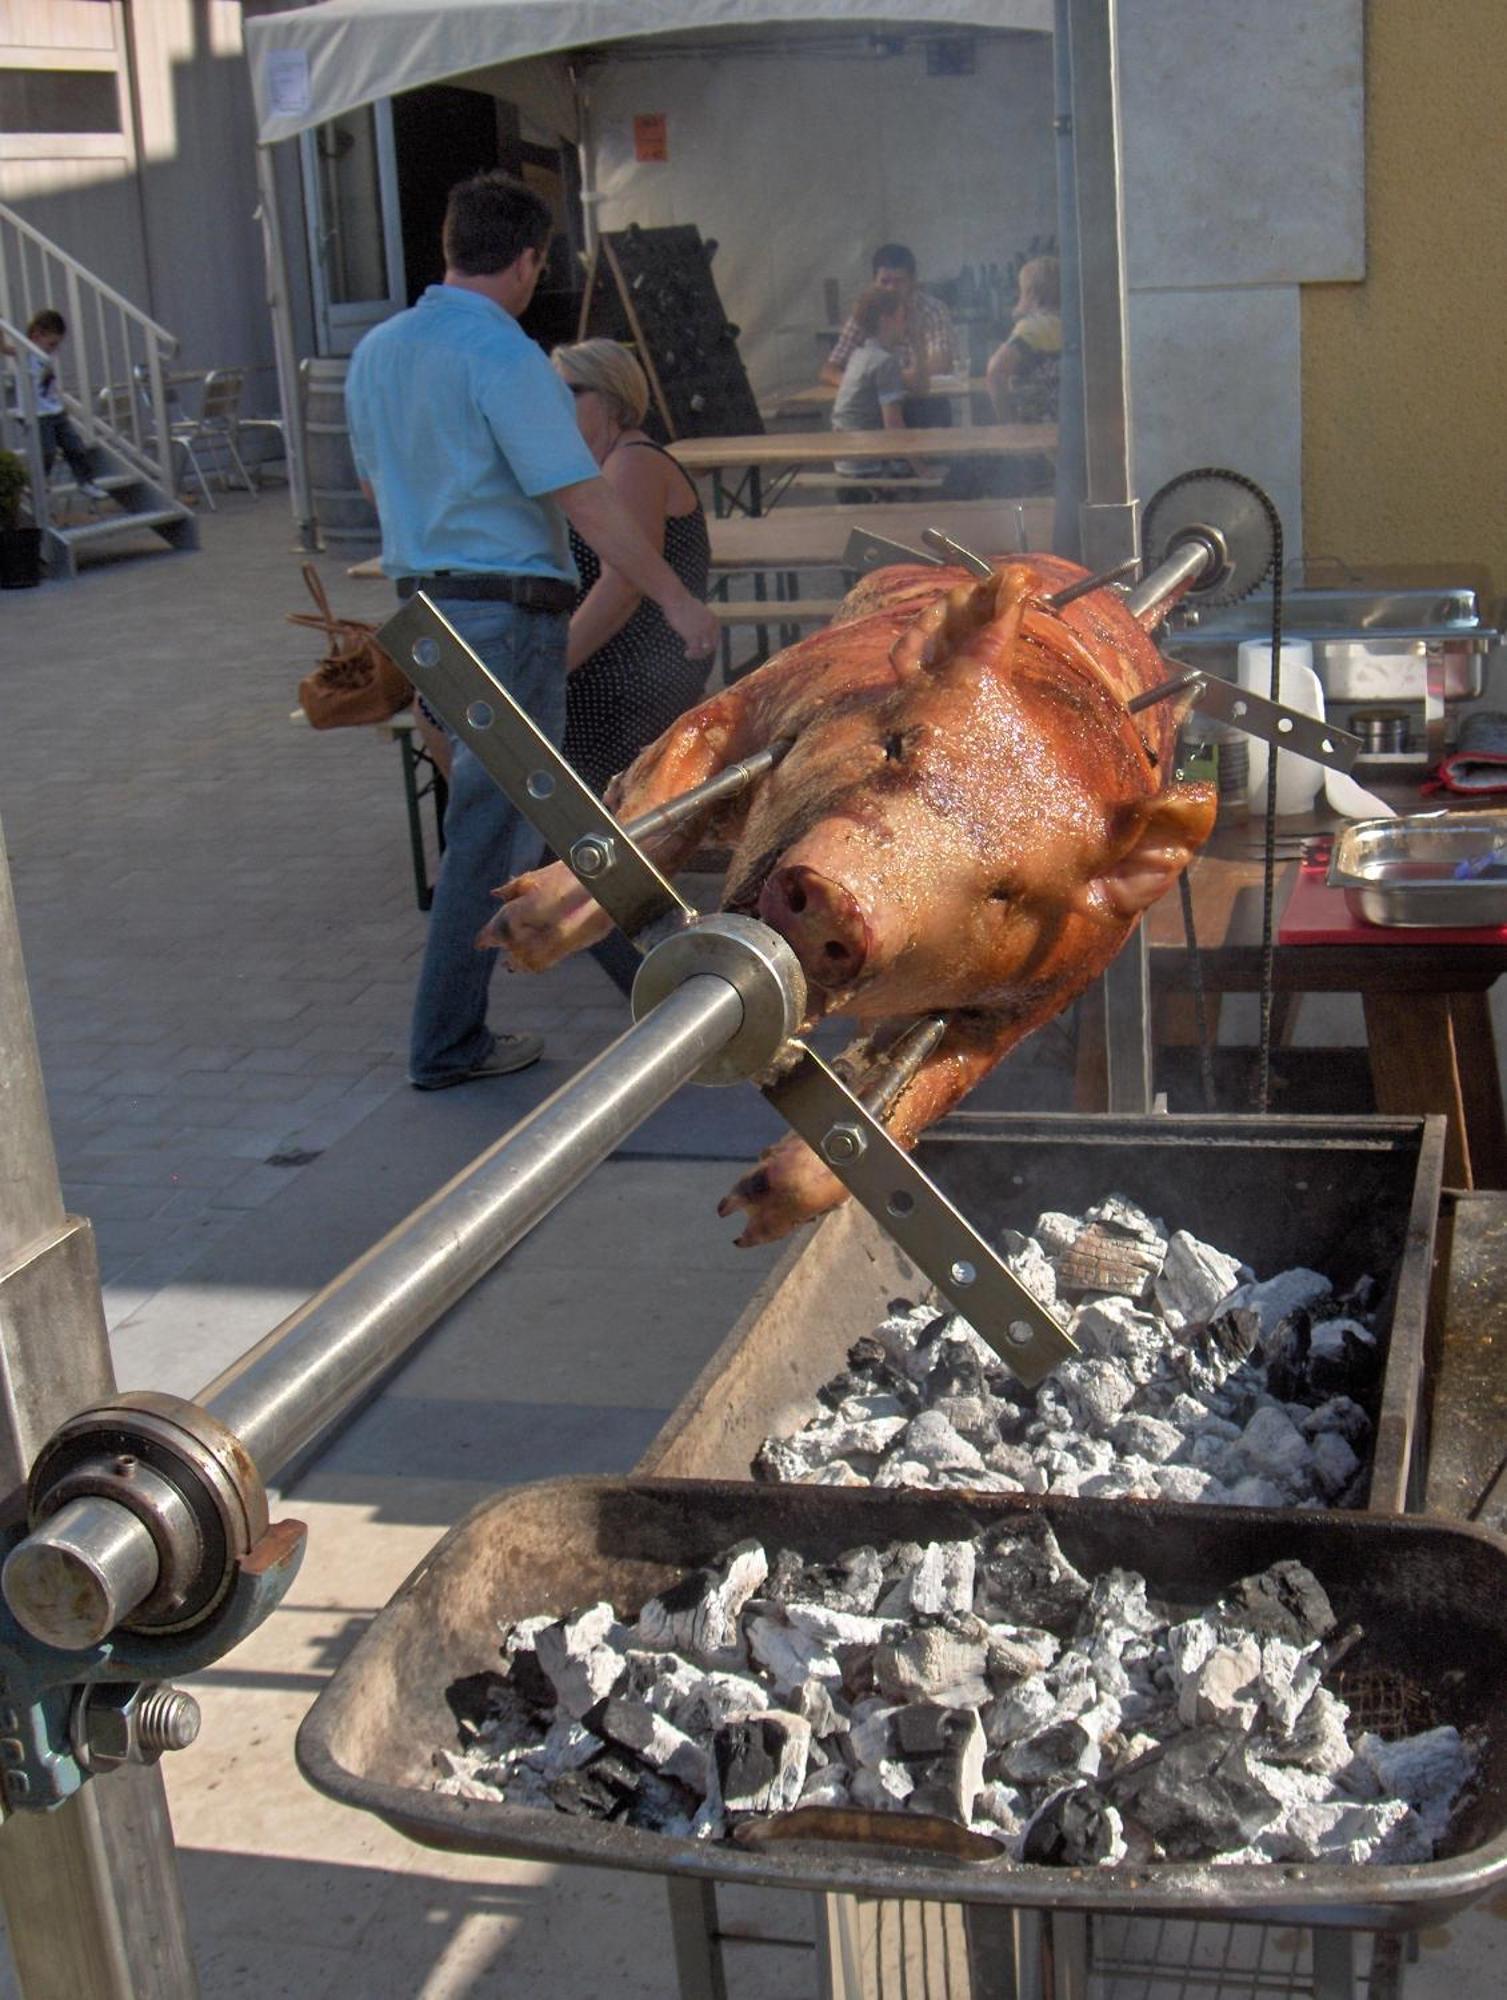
(114, 387)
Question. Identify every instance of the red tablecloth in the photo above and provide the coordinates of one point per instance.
(1317, 914)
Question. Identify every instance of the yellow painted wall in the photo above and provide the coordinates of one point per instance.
(1405, 374)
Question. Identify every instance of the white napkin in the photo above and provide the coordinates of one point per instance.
(1343, 795)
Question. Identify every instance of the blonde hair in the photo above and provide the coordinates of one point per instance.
(1040, 283)
(609, 368)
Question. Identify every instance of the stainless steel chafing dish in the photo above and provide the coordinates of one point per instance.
(1369, 645)
(1429, 869)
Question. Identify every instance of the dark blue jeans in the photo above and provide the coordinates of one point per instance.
(486, 841)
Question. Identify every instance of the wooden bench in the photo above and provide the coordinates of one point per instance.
(872, 482)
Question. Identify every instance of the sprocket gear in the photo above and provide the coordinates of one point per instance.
(1231, 512)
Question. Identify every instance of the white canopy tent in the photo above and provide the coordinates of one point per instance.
(317, 63)
(309, 65)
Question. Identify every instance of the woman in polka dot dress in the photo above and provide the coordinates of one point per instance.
(629, 677)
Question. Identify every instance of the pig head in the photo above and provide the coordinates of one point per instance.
(969, 822)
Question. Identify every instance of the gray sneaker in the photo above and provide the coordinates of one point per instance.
(509, 1053)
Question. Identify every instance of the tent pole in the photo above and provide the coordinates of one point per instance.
(284, 348)
(93, 1904)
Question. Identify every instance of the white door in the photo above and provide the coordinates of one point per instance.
(355, 242)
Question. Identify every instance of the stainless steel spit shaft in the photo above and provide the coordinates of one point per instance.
(92, 1563)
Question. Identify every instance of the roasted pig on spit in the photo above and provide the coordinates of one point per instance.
(968, 825)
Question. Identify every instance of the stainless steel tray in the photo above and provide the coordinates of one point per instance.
(1440, 870)
(1431, 1598)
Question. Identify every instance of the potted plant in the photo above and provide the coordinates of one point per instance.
(20, 548)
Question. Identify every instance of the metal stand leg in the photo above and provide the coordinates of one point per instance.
(1333, 1965)
(1004, 1953)
(698, 1950)
(1125, 994)
(838, 1964)
(1068, 1937)
(91, 1892)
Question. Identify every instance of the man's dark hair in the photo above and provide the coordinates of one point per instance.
(893, 257)
(490, 220)
(48, 320)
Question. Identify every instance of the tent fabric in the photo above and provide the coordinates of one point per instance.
(313, 63)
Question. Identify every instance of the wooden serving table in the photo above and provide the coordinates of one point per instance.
(817, 398)
(782, 455)
(1425, 996)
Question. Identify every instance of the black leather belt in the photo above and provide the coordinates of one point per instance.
(529, 593)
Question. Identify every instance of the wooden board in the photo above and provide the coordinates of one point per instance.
(808, 537)
(708, 454)
(654, 289)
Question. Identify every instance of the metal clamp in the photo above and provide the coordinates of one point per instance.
(1285, 728)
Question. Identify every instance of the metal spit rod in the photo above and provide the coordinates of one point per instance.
(309, 1370)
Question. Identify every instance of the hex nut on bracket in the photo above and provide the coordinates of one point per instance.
(130, 1722)
(843, 1143)
(592, 855)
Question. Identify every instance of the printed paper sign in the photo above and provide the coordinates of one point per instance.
(290, 93)
(651, 136)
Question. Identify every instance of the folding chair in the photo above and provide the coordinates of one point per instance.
(213, 430)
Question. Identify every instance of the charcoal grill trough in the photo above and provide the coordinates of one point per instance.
(1431, 1598)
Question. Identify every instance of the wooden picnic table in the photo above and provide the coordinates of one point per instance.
(796, 538)
(739, 465)
(819, 397)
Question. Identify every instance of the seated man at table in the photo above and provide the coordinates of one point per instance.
(928, 345)
(871, 395)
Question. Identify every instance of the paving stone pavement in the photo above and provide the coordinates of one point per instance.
(216, 905)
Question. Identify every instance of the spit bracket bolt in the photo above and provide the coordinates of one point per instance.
(592, 855)
(843, 1143)
(131, 1722)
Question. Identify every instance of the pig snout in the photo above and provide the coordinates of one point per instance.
(820, 921)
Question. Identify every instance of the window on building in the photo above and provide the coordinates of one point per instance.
(59, 100)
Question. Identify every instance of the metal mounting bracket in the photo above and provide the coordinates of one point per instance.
(865, 552)
(808, 1095)
(1286, 728)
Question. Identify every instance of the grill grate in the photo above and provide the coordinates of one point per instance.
(1385, 1701)
(1135, 1958)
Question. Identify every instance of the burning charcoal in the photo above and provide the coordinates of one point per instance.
(976, 1419)
(699, 1614)
(1117, 1600)
(603, 1789)
(871, 1734)
(813, 1700)
(1114, 1330)
(1187, 1483)
(1120, 1213)
(930, 1662)
(1335, 1465)
(829, 1786)
(760, 1761)
(1427, 1771)
(869, 1438)
(1284, 1355)
(1025, 1579)
(1277, 1299)
(1095, 1391)
(1290, 1676)
(1341, 1355)
(567, 1746)
(949, 1782)
(885, 1788)
(1286, 1601)
(632, 1726)
(1073, 1828)
(788, 1656)
(1316, 1740)
(666, 1807)
(1339, 1830)
(1221, 1692)
(1056, 1232)
(711, 1699)
(1072, 1747)
(583, 1657)
(1104, 1258)
(943, 1579)
(476, 1699)
(901, 1334)
(1001, 1808)
(1013, 1651)
(931, 1441)
(1272, 1447)
(1150, 1438)
(1013, 1460)
(1340, 1415)
(1194, 1279)
(1254, 1491)
(842, 1628)
(1027, 1260)
(839, 1473)
(789, 1461)
(1195, 1799)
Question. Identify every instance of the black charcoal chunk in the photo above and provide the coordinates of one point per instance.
(1025, 1579)
(1076, 1827)
(1196, 1798)
(1286, 1601)
(472, 1699)
(760, 1761)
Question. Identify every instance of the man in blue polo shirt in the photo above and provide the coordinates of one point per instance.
(467, 440)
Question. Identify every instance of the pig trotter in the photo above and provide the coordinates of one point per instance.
(545, 916)
(789, 1186)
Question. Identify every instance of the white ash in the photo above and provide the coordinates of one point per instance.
(1197, 1381)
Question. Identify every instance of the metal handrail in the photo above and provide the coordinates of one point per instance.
(23, 416)
(110, 339)
(10, 219)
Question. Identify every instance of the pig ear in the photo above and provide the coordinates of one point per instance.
(1166, 834)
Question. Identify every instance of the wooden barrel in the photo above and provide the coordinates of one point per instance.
(342, 511)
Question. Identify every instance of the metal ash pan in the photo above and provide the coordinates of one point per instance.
(1350, 1198)
(1430, 1601)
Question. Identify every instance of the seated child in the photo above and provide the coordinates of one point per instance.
(1023, 371)
(871, 395)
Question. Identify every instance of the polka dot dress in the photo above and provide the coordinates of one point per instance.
(632, 689)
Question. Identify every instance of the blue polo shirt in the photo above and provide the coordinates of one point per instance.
(458, 423)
